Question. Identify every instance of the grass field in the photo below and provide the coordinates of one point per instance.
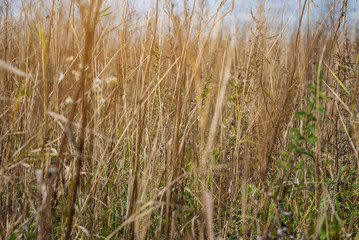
(182, 121)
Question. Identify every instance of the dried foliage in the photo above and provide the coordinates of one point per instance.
(190, 123)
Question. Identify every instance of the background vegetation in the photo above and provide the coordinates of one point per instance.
(188, 123)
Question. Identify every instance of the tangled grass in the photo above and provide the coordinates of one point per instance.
(186, 124)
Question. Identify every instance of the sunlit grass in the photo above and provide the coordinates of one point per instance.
(189, 123)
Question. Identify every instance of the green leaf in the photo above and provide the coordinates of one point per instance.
(312, 129)
(295, 130)
(300, 115)
(299, 165)
(267, 94)
(312, 138)
(322, 95)
(284, 164)
(311, 89)
(311, 117)
(295, 137)
(321, 110)
(308, 153)
(338, 80)
(42, 36)
(104, 12)
(285, 154)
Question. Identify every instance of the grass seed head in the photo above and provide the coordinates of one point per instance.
(69, 59)
(68, 100)
(111, 80)
(96, 88)
(77, 74)
(61, 77)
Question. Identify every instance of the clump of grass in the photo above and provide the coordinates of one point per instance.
(189, 123)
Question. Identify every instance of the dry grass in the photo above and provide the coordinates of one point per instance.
(185, 124)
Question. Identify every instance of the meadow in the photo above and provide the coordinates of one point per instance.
(178, 120)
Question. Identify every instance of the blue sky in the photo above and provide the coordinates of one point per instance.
(243, 7)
